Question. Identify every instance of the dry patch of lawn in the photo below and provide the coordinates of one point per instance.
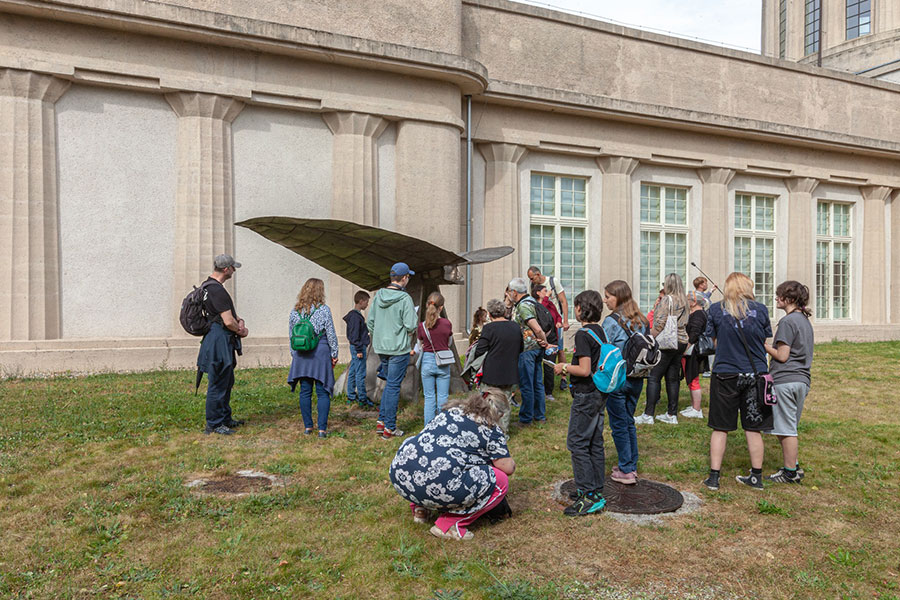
(93, 502)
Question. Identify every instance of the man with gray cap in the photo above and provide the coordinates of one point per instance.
(391, 323)
(220, 346)
(531, 375)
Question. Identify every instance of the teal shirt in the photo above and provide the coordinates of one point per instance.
(392, 320)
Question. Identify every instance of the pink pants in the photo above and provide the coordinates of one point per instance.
(692, 385)
(448, 520)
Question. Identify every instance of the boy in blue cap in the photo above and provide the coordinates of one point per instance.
(392, 321)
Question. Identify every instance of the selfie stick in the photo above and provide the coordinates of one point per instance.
(693, 264)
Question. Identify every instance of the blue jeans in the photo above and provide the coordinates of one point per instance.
(435, 385)
(323, 403)
(393, 368)
(531, 383)
(218, 397)
(620, 407)
(356, 378)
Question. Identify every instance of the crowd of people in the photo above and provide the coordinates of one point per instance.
(457, 468)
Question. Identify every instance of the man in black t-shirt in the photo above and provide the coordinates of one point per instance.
(219, 347)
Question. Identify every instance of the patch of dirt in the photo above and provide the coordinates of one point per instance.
(362, 415)
(239, 484)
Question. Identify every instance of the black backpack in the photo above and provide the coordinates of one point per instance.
(545, 320)
(194, 318)
(641, 351)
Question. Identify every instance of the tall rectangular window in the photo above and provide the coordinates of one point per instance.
(558, 231)
(833, 244)
(754, 244)
(859, 18)
(812, 27)
(664, 238)
(782, 28)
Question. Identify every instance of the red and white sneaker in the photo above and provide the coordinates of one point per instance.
(379, 427)
(391, 433)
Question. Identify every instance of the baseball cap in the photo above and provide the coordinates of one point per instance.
(400, 269)
(224, 261)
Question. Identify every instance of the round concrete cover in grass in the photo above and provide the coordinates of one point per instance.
(643, 498)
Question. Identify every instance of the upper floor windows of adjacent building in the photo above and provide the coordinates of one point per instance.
(812, 26)
(858, 18)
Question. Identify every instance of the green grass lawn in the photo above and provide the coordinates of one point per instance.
(93, 502)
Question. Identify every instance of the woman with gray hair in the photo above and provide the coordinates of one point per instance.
(673, 339)
(501, 343)
(458, 465)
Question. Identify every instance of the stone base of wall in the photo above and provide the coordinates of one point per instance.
(82, 357)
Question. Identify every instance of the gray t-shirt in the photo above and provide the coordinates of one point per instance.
(795, 331)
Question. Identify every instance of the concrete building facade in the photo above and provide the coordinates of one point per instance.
(133, 134)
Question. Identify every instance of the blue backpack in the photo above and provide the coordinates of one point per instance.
(610, 374)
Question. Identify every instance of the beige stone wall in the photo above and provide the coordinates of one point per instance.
(251, 109)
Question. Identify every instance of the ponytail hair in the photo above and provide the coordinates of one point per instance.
(479, 318)
(433, 307)
(794, 292)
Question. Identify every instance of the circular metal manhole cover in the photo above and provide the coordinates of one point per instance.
(644, 498)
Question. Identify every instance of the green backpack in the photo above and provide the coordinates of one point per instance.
(303, 335)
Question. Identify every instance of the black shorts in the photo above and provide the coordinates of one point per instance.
(733, 393)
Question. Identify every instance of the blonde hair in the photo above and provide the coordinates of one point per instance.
(486, 407)
(738, 290)
(673, 286)
(311, 294)
(433, 307)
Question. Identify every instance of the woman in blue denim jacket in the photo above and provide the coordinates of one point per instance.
(626, 318)
(315, 367)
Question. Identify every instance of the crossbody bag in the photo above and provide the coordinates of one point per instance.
(442, 358)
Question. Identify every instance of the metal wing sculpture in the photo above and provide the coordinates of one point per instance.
(363, 255)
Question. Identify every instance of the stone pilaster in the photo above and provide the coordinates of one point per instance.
(204, 201)
(616, 241)
(873, 303)
(355, 165)
(428, 202)
(502, 212)
(715, 226)
(895, 257)
(354, 187)
(29, 210)
(801, 233)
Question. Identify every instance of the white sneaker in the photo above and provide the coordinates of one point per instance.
(691, 413)
(667, 418)
(643, 420)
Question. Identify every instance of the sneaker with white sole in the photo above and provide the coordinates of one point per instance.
(712, 482)
(751, 480)
(691, 413)
(391, 433)
(667, 418)
(643, 420)
(782, 475)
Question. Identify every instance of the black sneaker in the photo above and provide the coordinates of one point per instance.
(235, 423)
(575, 495)
(563, 386)
(712, 482)
(585, 505)
(751, 480)
(221, 430)
(782, 475)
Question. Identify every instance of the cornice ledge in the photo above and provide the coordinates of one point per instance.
(509, 93)
(165, 20)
